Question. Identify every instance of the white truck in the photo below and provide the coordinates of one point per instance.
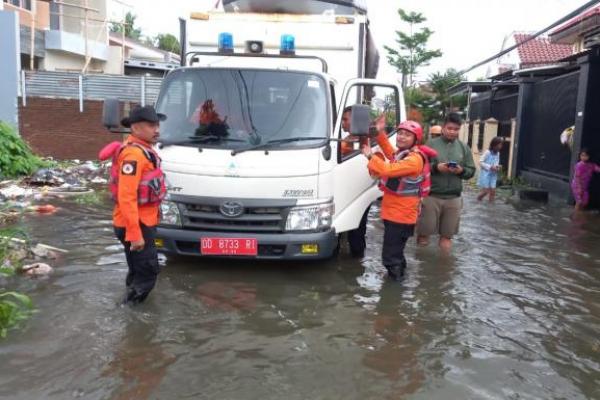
(252, 144)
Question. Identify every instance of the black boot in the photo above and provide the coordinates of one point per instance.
(133, 297)
(396, 272)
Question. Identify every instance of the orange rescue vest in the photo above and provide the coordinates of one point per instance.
(152, 188)
(406, 186)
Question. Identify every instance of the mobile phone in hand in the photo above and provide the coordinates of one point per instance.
(452, 164)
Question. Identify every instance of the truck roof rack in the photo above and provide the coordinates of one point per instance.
(210, 53)
(294, 6)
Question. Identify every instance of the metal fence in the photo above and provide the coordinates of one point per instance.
(504, 106)
(501, 105)
(480, 107)
(552, 109)
(67, 85)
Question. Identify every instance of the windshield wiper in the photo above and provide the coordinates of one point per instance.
(276, 141)
(196, 139)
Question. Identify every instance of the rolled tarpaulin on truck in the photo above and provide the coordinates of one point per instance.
(338, 7)
(372, 58)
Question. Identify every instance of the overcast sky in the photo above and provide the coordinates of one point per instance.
(467, 31)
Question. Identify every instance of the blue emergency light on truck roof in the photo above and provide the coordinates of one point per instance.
(288, 45)
(225, 42)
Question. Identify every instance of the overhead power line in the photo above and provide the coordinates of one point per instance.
(561, 21)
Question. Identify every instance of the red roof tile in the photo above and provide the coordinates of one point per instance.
(578, 19)
(540, 51)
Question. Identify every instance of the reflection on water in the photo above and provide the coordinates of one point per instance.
(140, 362)
(514, 313)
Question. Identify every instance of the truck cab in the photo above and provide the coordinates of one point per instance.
(252, 144)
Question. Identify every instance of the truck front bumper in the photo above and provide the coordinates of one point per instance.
(271, 246)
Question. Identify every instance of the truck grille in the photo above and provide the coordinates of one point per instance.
(206, 215)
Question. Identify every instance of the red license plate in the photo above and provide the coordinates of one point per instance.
(228, 247)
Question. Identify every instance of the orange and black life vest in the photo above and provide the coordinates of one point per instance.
(406, 186)
(152, 188)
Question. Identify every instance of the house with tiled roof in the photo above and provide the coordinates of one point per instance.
(532, 53)
(539, 51)
(581, 33)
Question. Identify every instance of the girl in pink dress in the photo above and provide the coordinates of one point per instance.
(582, 177)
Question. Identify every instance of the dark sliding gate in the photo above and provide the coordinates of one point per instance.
(552, 109)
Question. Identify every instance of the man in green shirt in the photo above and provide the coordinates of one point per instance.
(440, 212)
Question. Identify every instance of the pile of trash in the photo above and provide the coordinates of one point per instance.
(21, 256)
(33, 194)
(75, 178)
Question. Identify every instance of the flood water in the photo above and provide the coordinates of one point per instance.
(514, 313)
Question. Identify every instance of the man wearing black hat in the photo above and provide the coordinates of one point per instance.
(138, 186)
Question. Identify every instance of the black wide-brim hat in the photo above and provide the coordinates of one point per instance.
(139, 114)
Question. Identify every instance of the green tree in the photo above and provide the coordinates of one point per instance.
(440, 84)
(149, 41)
(412, 50)
(415, 98)
(128, 26)
(168, 42)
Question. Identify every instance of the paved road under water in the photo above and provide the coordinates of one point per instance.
(513, 314)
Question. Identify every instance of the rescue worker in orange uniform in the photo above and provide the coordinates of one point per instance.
(137, 185)
(404, 179)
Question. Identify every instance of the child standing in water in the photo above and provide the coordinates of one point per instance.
(582, 177)
(490, 166)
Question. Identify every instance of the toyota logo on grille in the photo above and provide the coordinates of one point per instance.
(231, 209)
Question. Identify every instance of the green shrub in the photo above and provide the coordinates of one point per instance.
(16, 158)
(14, 309)
(10, 259)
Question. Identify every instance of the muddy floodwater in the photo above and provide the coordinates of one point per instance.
(514, 313)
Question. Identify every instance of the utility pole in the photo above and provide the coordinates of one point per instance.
(31, 13)
(123, 24)
(85, 34)
(32, 46)
(123, 48)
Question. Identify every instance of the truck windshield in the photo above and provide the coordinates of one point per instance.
(242, 108)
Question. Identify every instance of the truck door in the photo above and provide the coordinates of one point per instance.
(354, 189)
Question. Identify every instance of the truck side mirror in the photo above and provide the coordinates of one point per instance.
(111, 117)
(360, 120)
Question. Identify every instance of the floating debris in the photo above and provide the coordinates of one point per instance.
(37, 269)
(43, 209)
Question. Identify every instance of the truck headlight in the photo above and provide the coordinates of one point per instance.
(169, 214)
(316, 217)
